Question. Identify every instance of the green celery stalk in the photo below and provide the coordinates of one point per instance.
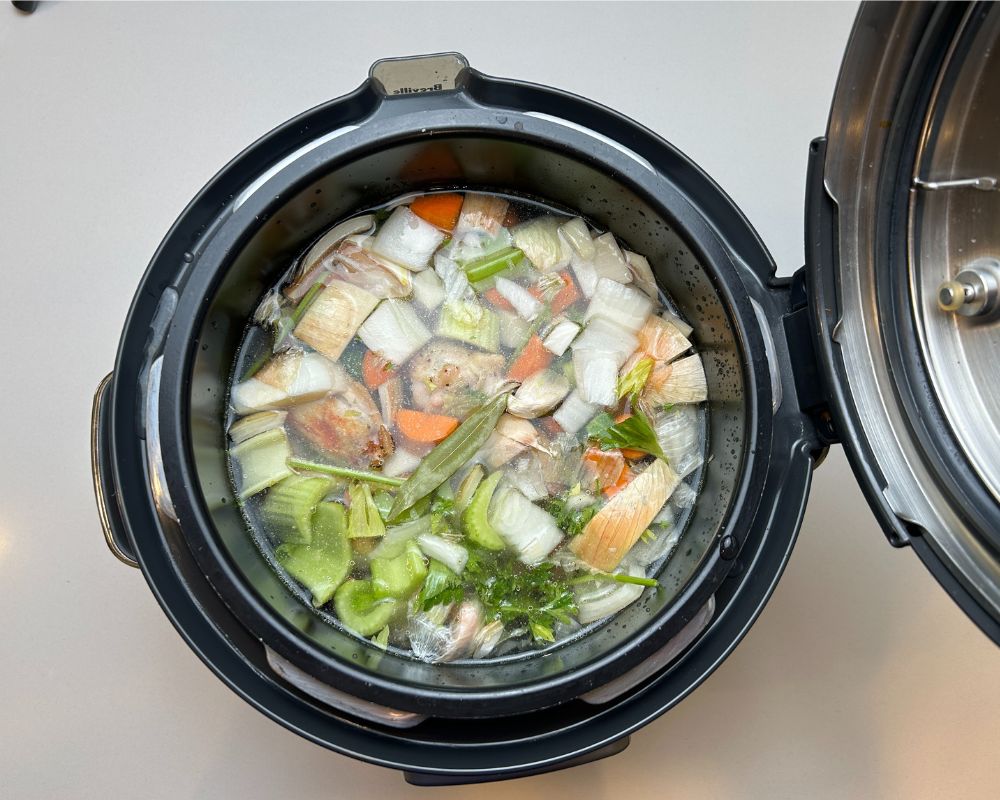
(343, 472)
(493, 263)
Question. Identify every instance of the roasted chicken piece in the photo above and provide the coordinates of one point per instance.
(447, 378)
(347, 426)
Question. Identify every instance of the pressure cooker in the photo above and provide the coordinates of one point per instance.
(886, 342)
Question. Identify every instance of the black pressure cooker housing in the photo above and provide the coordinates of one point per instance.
(165, 499)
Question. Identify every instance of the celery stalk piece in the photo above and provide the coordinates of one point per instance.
(289, 506)
(483, 332)
(263, 461)
(323, 565)
(364, 520)
(360, 610)
(400, 576)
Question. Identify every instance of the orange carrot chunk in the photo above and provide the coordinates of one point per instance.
(497, 300)
(604, 466)
(440, 210)
(421, 427)
(375, 370)
(533, 358)
(566, 296)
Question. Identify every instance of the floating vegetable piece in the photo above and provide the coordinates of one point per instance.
(334, 317)
(325, 563)
(418, 426)
(577, 235)
(289, 506)
(679, 434)
(531, 531)
(482, 212)
(632, 431)
(376, 369)
(662, 340)
(642, 274)
(355, 264)
(611, 533)
(596, 376)
(428, 289)
(538, 395)
(440, 210)
(288, 378)
(635, 373)
(514, 331)
(622, 305)
(522, 301)
(361, 610)
(604, 467)
(480, 330)
(605, 335)
(363, 520)
(449, 456)
(394, 331)
(343, 472)
(681, 381)
(598, 599)
(449, 553)
(533, 358)
(407, 240)
(608, 260)
(401, 575)
(319, 257)
(575, 412)
(256, 424)
(263, 461)
(475, 518)
(492, 263)
(540, 241)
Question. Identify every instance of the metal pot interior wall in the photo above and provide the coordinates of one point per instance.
(504, 165)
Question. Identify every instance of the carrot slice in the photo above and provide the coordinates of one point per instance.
(440, 210)
(606, 466)
(533, 358)
(375, 370)
(497, 300)
(421, 427)
(623, 480)
(566, 296)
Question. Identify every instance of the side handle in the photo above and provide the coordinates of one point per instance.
(461, 778)
(100, 468)
(399, 77)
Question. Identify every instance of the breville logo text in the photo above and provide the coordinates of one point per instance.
(417, 89)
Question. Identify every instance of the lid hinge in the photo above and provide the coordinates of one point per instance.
(809, 386)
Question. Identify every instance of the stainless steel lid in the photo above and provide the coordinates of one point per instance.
(904, 231)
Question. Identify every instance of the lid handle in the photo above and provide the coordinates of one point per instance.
(428, 74)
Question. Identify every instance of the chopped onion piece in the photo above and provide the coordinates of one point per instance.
(645, 552)
(355, 264)
(662, 340)
(607, 336)
(541, 244)
(623, 305)
(679, 435)
(514, 331)
(577, 236)
(334, 317)
(487, 638)
(288, 378)
(394, 331)
(575, 412)
(317, 260)
(683, 496)
(255, 424)
(452, 555)
(525, 527)
(609, 262)
(586, 274)
(602, 598)
(526, 306)
(681, 381)
(596, 376)
(538, 394)
(526, 475)
(400, 464)
(407, 239)
(642, 274)
(428, 289)
(678, 323)
(558, 339)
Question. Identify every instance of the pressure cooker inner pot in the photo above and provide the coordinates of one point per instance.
(519, 167)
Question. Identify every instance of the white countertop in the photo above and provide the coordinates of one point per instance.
(861, 679)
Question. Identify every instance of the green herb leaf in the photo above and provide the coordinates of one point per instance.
(571, 522)
(635, 433)
(441, 586)
(536, 597)
(381, 639)
(450, 455)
